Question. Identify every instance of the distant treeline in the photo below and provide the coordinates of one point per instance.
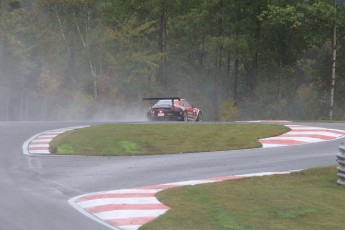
(96, 59)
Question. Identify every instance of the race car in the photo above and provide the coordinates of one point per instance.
(173, 109)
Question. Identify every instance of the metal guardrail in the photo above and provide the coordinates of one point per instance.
(341, 167)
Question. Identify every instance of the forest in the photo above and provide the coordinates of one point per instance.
(235, 60)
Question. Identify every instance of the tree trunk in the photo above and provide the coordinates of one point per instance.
(162, 48)
(216, 84)
(255, 63)
(235, 84)
(228, 74)
(334, 56)
(94, 77)
(280, 90)
(4, 60)
(219, 64)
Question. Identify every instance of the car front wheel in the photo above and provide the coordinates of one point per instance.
(199, 118)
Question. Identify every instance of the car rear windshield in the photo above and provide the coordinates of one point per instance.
(163, 103)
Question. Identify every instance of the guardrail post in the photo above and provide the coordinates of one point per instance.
(341, 167)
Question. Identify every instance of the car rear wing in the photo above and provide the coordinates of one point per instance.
(162, 98)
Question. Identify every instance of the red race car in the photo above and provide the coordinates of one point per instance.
(173, 109)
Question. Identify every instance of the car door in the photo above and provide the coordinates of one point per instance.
(189, 110)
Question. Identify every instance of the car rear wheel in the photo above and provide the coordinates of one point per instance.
(199, 118)
(185, 116)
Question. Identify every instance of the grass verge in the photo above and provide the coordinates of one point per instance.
(304, 200)
(145, 139)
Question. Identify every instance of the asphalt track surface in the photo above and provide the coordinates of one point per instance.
(34, 190)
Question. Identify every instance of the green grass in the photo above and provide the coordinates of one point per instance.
(304, 200)
(146, 139)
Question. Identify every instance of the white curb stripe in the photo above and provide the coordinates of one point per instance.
(39, 151)
(304, 139)
(41, 140)
(46, 136)
(133, 227)
(98, 202)
(259, 121)
(272, 145)
(39, 145)
(191, 182)
(120, 214)
(129, 191)
(314, 133)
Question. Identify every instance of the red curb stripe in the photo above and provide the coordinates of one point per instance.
(225, 178)
(318, 136)
(112, 207)
(130, 221)
(115, 195)
(283, 142)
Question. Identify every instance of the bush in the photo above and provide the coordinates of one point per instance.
(229, 111)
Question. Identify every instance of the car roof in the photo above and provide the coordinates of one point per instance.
(168, 101)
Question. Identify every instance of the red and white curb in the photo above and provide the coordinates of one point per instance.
(39, 144)
(129, 209)
(300, 134)
(259, 121)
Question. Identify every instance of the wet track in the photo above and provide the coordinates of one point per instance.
(34, 190)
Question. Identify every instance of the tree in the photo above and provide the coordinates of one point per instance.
(282, 26)
(15, 63)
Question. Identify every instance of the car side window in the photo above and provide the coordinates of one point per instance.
(187, 104)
